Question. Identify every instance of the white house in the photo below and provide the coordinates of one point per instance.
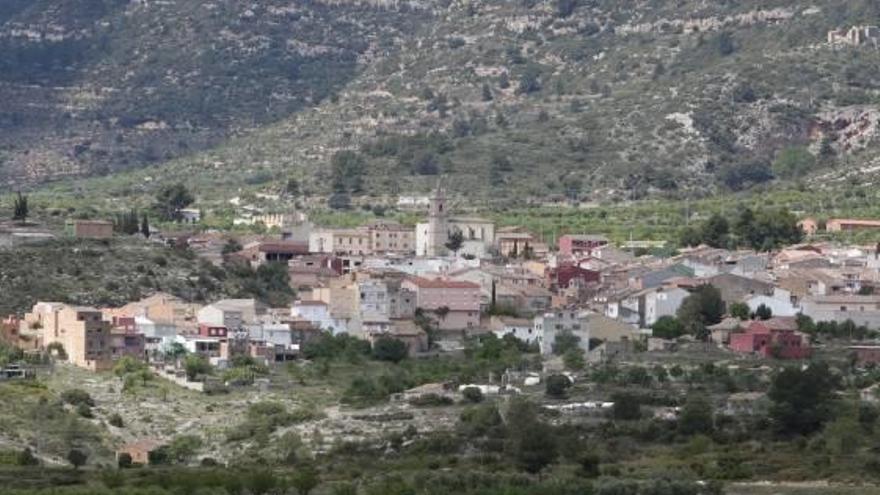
(373, 297)
(779, 303)
(157, 336)
(231, 313)
(660, 302)
(645, 307)
(318, 314)
(521, 328)
(550, 324)
(272, 333)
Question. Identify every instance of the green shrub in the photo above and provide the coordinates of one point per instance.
(472, 394)
(390, 349)
(556, 386)
(84, 410)
(115, 420)
(76, 397)
(626, 406)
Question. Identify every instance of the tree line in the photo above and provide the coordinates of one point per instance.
(762, 230)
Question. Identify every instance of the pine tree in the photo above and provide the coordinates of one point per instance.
(487, 92)
(20, 211)
(504, 81)
(455, 241)
(130, 225)
(127, 223)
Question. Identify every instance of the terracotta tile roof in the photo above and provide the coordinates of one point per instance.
(851, 221)
(437, 283)
(144, 445)
(780, 323)
(729, 323)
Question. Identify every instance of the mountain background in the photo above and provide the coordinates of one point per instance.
(519, 99)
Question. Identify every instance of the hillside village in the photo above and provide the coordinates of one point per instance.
(458, 277)
(437, 289)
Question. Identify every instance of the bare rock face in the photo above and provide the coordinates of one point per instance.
(848, 129)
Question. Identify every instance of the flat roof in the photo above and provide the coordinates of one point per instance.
(424, 283)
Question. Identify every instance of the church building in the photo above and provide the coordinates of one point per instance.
(432, 236)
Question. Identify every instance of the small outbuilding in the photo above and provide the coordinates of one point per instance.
(139, 451)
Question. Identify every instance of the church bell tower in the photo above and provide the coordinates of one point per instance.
(438, 228)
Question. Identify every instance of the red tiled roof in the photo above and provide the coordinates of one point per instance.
(853, 221)
(779, 323)
(144, 445)
(437, 283)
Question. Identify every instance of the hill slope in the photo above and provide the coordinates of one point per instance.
(526, 98)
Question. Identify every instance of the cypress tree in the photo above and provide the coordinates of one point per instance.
(20, 211)
(145, 227)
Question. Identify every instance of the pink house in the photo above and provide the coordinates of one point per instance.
(576, 245)
(776, 337)
(455, 305)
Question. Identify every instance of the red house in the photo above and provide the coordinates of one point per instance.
(562, 276)
(776, 337)
(574, 245)
(212, 331)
